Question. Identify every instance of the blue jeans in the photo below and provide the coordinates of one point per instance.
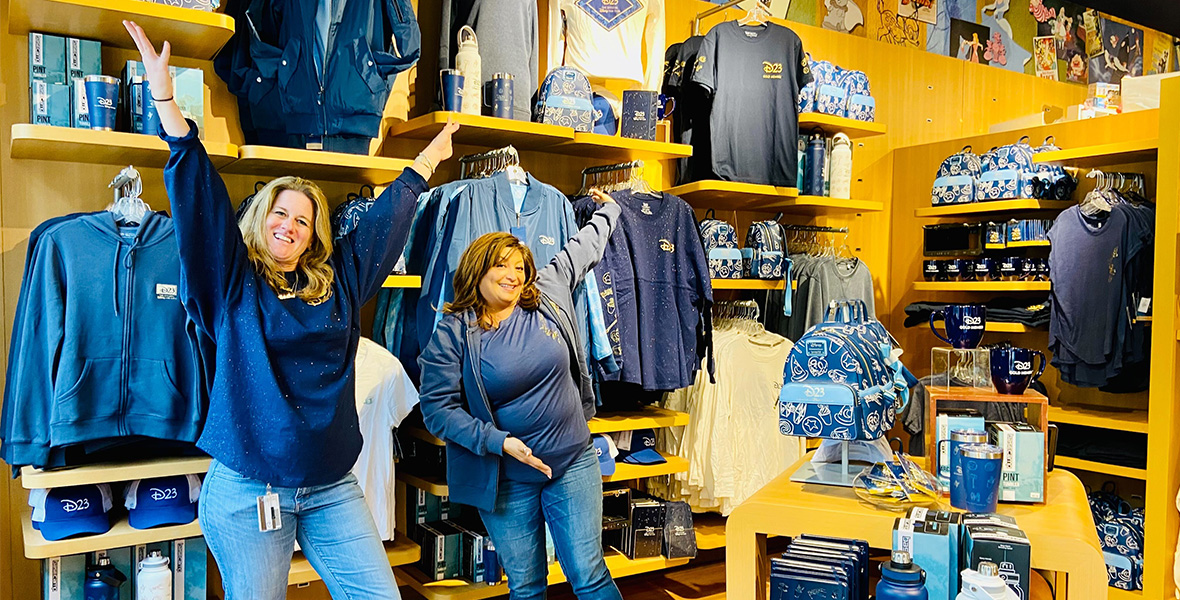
(331, 522)
(572, 506)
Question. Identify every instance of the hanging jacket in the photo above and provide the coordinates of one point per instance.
(455, 406)
(336, 89)
(101, 346)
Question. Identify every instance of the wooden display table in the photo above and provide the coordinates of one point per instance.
(1061, 531)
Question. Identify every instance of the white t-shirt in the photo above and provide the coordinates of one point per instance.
(384, 396)
(609, 39)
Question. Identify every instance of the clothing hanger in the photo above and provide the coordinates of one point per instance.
(128, 208)
(1096, 202)
(758, 14)
(486, 164)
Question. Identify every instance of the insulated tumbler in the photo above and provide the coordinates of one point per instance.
(151, 118)
(947, 472)
(102, 99)
(452, 89)
(502, 95)
(980, 477)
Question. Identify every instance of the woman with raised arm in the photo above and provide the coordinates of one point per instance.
(281, 302)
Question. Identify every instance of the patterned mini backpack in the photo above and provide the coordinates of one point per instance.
(765, 256)
(1051, 182)
(956, 179)
(565, 99)
(861, 105)
(822, 73)
(1006, 173)
(721, 247)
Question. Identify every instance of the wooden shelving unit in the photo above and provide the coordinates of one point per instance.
(748, 284)
(271, 161)
(31, 478)
(192, 33)
(733, 195)
(1087, 157)
(617, 148)
(981, 286)
(997, 327)
(1132, 420)
(120, 535)
(454, 589)
(831, 124)
(403, 281)
(1117, 594)
(401, 551)
(1028, 244)
(651, 417)
(489, 132)
(46, 142)
(437, 485)
(993, 206)
(1078, 464)
(710, 530)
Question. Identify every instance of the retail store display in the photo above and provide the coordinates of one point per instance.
(641, 110)
(964, 324)
(997, 539)
(509, 32)
(451, 86)
(103, 581)
(837, 91)
(690, 124)
(897, 484)
(764, 255)
(467, 62)
(815, 566)
(965, 430)
(1121, 532)
(609, 41)
(1052, 182)
(188, 88)
(721, 248)
(1012, 368)
(162, 501)
(1023, 471)
(565, 99)
(824, 272)
(979, 477)
(64, 512)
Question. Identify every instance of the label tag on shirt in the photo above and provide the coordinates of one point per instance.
(269, 517)
(315, 142)
(519, 232)
(1144, 306)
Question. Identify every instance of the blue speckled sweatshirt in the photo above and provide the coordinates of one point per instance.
(281, 408)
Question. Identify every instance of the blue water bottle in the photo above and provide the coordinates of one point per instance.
(813, 177)
(103, 581)
(901, 579)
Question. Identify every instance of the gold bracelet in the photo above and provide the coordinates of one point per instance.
(426, 160)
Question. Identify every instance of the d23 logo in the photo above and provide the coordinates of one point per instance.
(163, 494)
(1022, 367)
(75, 505)
(772, 70)
(105, 102)
(970, 322)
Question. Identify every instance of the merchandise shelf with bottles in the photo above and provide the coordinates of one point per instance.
(994, 206)
(733, 195)
(454, 589)
(68, 144)
(831, 125)
(192, 33)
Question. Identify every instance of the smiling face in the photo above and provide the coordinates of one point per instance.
(502, 283)
(289, 228)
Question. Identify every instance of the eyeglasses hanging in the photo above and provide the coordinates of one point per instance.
(128, 208)
(614, 178)
(486, 164)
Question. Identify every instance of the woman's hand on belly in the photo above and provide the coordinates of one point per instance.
(516, 448)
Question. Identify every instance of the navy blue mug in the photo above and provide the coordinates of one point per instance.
(151, 118)
(502, 95)
(1029, 269)
(964, 324)
(1011, 267)
(667, 105)
(957, 438)
(930, 269)
(1012, 369)
(953, 269)
(979, 477)
(986, 268)
(451, 81)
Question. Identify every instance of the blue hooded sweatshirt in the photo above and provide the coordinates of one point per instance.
(101, 346)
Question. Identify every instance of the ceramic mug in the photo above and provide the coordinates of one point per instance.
(930, 269)
(1012, 369)
(964, 324)
(986, 268)
(1011, 267)
(953, 268)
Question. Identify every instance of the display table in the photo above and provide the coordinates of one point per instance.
(1061, 531)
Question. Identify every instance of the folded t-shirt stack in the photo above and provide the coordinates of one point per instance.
(1034, 313)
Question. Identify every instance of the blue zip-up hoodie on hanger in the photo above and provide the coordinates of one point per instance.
(102, 346)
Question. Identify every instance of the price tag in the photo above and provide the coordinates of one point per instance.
(269, 516)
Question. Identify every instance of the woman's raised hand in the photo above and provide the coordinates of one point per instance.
(155, 65)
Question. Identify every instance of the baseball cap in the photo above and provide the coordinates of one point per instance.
(64, 512)
(604, 447)
(162, 501)
(605, 120)
(638, 447)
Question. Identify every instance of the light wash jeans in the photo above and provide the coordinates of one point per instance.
(332, 523)
(572, 506)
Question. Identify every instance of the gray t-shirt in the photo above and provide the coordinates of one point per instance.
(754, 74)
(508, 43)
(836, 279)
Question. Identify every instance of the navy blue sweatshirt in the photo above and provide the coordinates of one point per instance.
(281, 408)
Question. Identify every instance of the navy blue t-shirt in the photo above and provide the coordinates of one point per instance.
(525, 365)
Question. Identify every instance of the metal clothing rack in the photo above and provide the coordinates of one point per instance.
(628, 174)
(486, 163)
(696, 22)
(815, 228)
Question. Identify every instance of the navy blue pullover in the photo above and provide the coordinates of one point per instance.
(281, 409)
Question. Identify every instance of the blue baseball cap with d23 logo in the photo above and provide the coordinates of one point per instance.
(65, 512)
(162, 501)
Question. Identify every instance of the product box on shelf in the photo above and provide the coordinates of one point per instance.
(1022, 475)
(929, 544)
(953, 522)
(441, 550)
(47, 58)
(49, 103)
(471, 553)
(63, 577)
(680, 539)
(423, 507)
(640, 108)
(1006, 546)
(79, 110)
(945, 423)
(188, 87)
(190, 562)
(1104, 95)
(83, 57)
(616, 515)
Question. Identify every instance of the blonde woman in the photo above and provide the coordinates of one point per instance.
(281, 301)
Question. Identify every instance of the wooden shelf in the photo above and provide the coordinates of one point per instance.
(403, 281)
(31, 478)
(1134, 421)
(436, 485)
(46, 142)
(455, 589)
(1028, 244)
(400, 551)
(272, 161)
(997, 327)
(489, 132)
(710, 530)
(748, 284)
(734, 195)
(419, 433)
(831, 124)
(981, 286)
(1086, 157)
(1117, 594)
(120, 535)
(967, 394)
(192, 33)
(993, 206)
(1078, 464)
(627, 472)
(613, 147)
(651, 417)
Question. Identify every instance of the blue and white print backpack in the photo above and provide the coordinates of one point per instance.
(565, 99)
(346, 215)
(823, 73)
(1120, 531)
(1006, 172)
(842, 380)
(956, 179)
(1051, 182)
(765, 254)
(721, 247)
(861, 105)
